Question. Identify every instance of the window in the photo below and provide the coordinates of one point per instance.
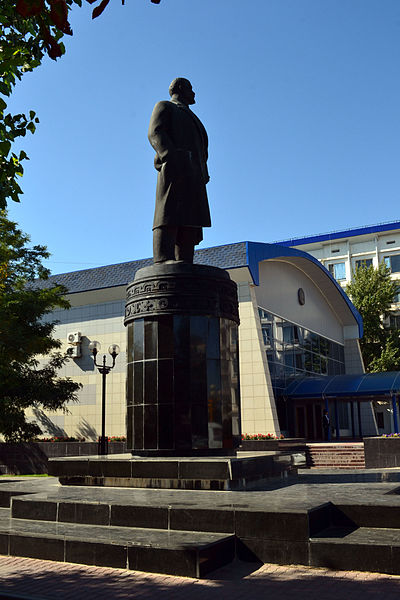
(290, 334)
(380, 421)
(397, 294)
(324, 346)
(293, 350)
(363, 263)
(263, 314)
(394, 321)
(287, 331)
(338, 270)
(343, 414)
(299, 361)
(267, 334)
(393, 262)
(288, 359)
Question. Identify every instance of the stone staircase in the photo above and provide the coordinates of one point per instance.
(343, 455)
(191, 533)
(363, 537)
(177, 532)
(109, 529)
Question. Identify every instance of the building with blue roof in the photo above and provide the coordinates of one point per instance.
(342, 252)
(296, 322)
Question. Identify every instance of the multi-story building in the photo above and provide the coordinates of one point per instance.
(341, 252)
(297, 324)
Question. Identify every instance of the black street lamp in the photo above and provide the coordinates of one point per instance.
(104, 369)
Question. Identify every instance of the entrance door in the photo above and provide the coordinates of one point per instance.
(300, 422)
(308, 423)
(318, 421)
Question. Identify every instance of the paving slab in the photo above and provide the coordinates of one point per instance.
(30, 579)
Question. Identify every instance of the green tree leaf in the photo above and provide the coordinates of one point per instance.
(372, 292)
(29, 30)
(25, 299)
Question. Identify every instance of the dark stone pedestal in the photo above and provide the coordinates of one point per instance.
(185, 473)
(381, 452)
(183, 374)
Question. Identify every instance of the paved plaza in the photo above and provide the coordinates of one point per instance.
(31, 579)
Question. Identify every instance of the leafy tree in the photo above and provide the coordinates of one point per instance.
(372, 292)
(29, 29)
(25, 333)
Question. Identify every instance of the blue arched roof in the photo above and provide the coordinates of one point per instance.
(257, 252)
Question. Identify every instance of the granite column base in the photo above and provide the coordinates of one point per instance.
(183, 377)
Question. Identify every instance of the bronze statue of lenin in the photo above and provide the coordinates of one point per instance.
(181, 144)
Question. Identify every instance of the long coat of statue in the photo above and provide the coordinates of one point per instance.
(181, 144)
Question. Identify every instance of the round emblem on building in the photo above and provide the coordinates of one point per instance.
(301, 296)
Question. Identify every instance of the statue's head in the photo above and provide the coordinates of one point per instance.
(181, 89)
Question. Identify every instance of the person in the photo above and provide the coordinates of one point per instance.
(325, 425)
(181, 144)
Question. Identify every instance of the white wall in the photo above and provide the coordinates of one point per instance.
(350, 249)
(277, 293)
(102, 322)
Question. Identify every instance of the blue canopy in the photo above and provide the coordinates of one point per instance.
(364, 385)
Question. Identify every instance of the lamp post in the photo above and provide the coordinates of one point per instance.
(104, 369)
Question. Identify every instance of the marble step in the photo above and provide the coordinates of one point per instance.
(335, 458)
(18, 487)
(379, 514)
(337, 466)
(373, 549)
(173, 510)
(119, 512)
(7, 495)
(339, 463)
(183, 553)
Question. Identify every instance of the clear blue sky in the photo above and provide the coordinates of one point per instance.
(300, 98)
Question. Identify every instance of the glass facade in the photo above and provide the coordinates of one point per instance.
(293, 351)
